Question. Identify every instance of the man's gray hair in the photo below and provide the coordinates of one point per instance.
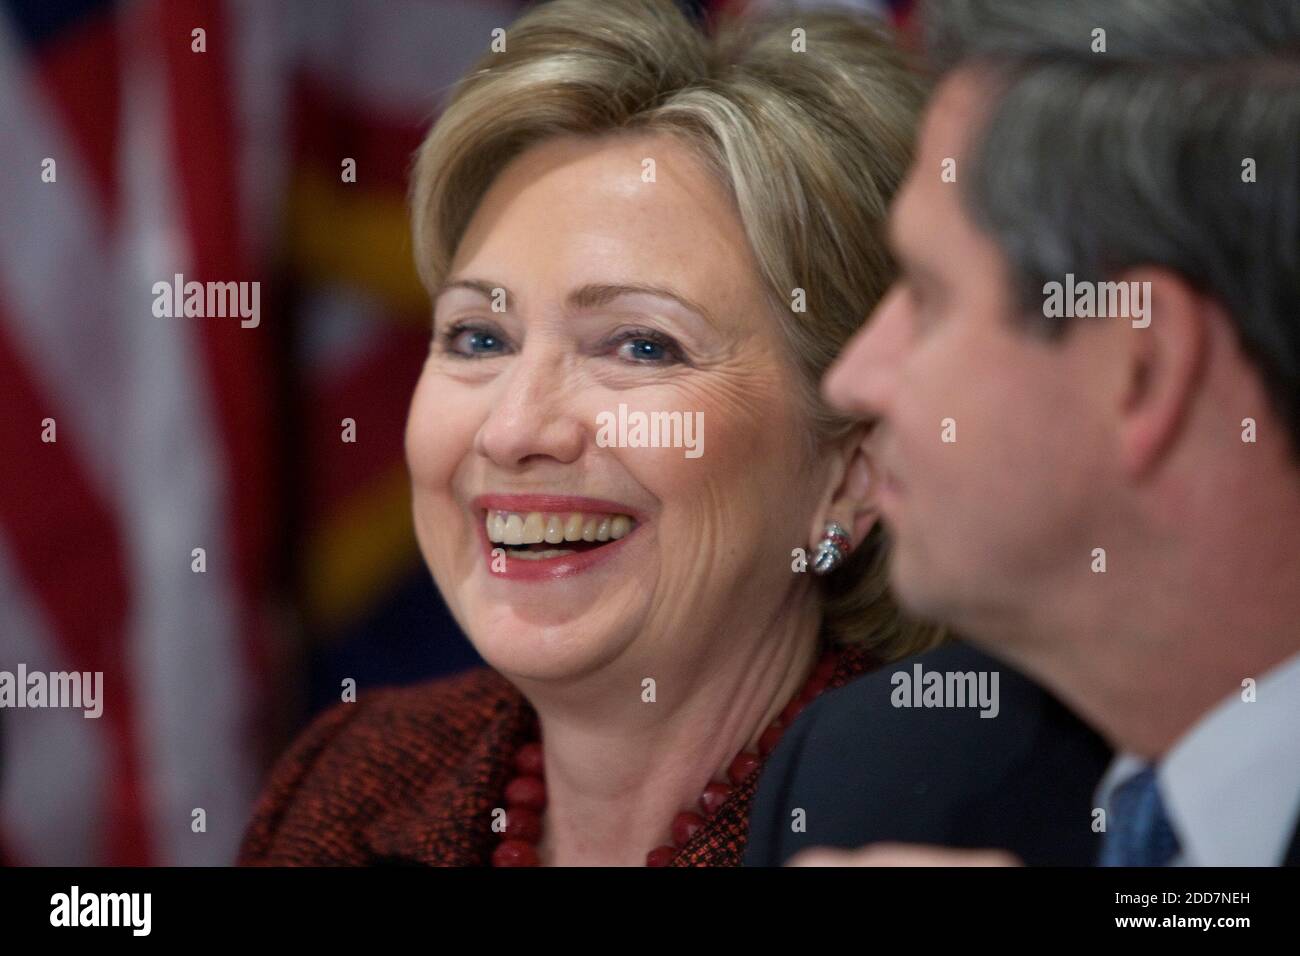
(1178, 146)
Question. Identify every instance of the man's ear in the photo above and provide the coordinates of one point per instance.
(849, 495)
(1164, 353)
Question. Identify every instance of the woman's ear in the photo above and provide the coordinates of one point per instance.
(849, 496)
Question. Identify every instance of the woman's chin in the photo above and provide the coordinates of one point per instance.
(542, 643)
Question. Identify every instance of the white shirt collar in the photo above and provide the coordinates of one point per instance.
(1231, 784)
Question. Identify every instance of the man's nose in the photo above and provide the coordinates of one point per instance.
(861, 380)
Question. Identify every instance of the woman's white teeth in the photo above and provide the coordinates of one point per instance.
(513, 528)
(554, 530)
(542, 555)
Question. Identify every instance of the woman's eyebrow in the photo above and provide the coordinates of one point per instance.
(487, 289)
(595, 295)
(590, 296)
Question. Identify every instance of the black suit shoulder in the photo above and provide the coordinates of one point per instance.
(863, 770)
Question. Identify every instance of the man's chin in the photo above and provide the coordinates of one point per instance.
(917, 589)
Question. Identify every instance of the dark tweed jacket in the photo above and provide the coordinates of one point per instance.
(411, 775)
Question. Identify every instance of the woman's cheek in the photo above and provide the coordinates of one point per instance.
(439, 441)
(438, 436)
(752, 466)
(743, 429)
(418, 435)
(724, 481)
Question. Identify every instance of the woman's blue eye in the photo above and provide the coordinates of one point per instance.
(468, 343)
(646, 349)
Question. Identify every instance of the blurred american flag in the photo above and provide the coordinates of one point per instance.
(176, 434)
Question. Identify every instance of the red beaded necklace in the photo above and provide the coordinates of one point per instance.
(526, 791)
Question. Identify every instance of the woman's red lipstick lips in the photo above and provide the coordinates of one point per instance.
(519, 569)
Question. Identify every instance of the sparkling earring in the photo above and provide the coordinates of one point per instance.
(832, 549)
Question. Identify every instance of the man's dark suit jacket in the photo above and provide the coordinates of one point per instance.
(865, 771)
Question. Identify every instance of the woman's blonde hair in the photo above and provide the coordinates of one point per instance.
(807, 118)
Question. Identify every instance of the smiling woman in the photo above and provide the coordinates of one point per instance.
(620, 216)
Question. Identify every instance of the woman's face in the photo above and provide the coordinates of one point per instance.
(585, 285)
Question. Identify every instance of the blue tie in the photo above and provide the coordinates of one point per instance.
(1138, 832)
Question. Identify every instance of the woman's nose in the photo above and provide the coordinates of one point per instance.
(533, 415)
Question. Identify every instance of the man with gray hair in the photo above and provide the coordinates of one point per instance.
(1108, 502)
